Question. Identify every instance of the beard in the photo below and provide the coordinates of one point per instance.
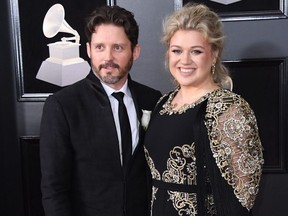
(109, 78)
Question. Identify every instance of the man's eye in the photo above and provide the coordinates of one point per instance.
(99, 47)
(118, 48)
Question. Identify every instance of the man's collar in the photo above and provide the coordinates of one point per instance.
(110, 90)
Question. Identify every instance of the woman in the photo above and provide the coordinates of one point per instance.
(202, 144)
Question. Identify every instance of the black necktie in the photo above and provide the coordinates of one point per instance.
(125, 129)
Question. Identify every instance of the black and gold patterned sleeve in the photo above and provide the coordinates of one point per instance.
(235, 144)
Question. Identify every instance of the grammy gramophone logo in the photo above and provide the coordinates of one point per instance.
(64, 66)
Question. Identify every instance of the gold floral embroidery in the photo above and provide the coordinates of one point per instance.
(182, 160)
(235, 143)
(236, 147)
(168, 107)
(210, 204)
(181, 169)
(184, 203)
(154, 172)
(181, 166)
(154, 191)
(155, 175)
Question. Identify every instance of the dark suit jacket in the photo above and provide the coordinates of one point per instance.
(80, 159)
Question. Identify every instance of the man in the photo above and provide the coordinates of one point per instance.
(83, 171)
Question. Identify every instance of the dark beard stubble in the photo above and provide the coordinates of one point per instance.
(109, 78)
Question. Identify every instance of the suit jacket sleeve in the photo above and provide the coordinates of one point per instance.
(55, 158)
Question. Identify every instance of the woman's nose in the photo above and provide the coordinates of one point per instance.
(186, 58)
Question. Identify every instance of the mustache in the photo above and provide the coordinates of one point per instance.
(109, 64)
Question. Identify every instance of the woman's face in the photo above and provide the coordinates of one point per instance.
(190, 59)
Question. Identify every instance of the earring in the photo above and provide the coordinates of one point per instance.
(213, 69)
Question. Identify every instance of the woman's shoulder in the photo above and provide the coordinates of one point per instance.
(225, 96)
(222, 99)
(163, 99)
(167, 95)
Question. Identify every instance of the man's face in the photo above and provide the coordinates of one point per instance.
(111, 55)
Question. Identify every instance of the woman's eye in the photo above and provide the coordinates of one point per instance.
(176, 51)
(196, 52)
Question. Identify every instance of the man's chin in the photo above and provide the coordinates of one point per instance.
(108, 77)
(110, 80)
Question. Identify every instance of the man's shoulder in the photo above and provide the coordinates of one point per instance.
(140, 87)
(72, 89)
(69, 94)
(146, 96)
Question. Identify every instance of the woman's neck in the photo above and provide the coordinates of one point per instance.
(189, 95)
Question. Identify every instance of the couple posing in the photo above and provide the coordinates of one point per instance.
(202, 144)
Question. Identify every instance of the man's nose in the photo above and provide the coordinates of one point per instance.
(108, 54)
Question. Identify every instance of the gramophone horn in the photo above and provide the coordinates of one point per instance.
(54, 22)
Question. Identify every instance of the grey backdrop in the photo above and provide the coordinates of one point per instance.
(244, 39)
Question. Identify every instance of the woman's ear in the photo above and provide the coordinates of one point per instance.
(215, 56)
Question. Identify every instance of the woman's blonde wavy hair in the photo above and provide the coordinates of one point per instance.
(200, 18)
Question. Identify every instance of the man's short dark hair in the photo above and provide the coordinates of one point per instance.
(117, 16)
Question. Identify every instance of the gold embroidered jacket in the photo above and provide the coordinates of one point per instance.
(235, 143)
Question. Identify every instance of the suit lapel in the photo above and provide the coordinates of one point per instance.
(135, 99)
(103, 103)
(138, 111)
(100, 93)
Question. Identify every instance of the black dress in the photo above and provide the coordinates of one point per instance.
(205, 158)
(172, 155)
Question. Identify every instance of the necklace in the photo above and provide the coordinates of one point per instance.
(169, 108)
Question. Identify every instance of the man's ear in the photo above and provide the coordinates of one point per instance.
(88, 50)
(136, 52)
